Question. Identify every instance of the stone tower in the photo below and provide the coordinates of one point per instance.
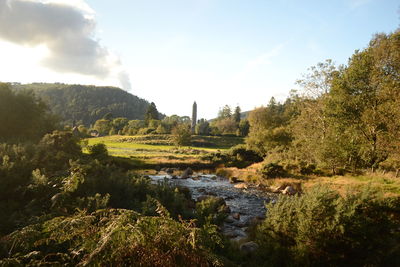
(194, 117)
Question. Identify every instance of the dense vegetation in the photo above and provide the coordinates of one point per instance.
(87, 104)
(346, 118)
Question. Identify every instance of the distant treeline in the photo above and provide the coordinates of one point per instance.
(85, 104)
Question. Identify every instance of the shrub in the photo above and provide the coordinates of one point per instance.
(98, 151)
(112, 237)
(272, 170)
(212, 210)
(323, 228)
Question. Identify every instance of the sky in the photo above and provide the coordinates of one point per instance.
(214, 52)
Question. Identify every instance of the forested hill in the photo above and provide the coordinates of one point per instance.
(87, 103)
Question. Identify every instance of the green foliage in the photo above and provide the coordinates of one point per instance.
(98, 151)
(87, 104)
(181, 135)
(211, 210)
(151, 113)
(103, 126)
(323, 228)
(268, 127)
(238, 156)
(244, 127)
(272, 170)
(202, 127)
(23, 117)
(111, 237)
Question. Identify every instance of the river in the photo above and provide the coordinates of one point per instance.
(246, 204)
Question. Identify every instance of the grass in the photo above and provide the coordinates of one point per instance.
(157, 150)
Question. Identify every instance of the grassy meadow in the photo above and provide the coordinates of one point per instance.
(158, 150)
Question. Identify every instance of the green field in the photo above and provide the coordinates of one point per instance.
(155, 150)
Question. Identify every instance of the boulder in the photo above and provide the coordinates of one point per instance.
(169, 170)
(235, 180)
(234, 233)
(229, 219)
(186, 174)
(249, 247)
(241, 186)
(236, 216)
(289, 190)
(277, 189)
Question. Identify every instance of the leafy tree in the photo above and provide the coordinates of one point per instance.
(151, 113)
(364, 99)
(181, 135)
(225, 112)
(103, 126)
(268, 127)
(119, 123)
(202, 127)
(244, 127)
(23, 116)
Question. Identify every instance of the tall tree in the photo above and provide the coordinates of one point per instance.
(151, 113)
(225, 112)
(237, 115)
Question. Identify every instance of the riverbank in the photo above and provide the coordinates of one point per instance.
(155, 152)
(385, 183)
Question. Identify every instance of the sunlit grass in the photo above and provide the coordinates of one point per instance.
(157, 149)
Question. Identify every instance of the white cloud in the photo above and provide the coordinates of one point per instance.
(66, 29)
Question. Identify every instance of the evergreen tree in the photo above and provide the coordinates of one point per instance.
(151, 113)
(236, 115)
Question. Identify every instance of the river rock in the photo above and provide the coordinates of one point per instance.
(249, 247)
(241, 186)
(234, 233)
(234, 180)
(277, 189)
(174, 177)
(169, 170)
(201, 190)
(236, 216)
(229, 219)
(186, 174)
(289, 190)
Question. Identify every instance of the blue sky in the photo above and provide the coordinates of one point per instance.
(232, 52)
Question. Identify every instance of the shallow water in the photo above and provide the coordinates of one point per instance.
(249, 203)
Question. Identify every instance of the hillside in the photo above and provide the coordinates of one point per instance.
(87, 103)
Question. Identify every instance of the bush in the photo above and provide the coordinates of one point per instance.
(98, 151)
(272, 170)
(323, 228)
(212, 210)
(145, 131)
(111, 237)
(238, 156)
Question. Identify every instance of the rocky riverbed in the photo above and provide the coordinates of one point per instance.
(246, 203)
